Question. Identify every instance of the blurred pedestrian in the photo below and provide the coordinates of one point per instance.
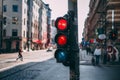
(112, 53)
(93, 60)
(92, 50)
(104, 52)
(20, 56)
(116, 54)
(88, 49)
(97, 54)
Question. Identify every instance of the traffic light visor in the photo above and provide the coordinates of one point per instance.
(61, 23)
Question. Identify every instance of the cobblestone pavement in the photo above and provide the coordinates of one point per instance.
(8, 60)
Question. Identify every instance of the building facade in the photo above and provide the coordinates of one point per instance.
(24, 24)
(100, 16)
(45, 25)
(34, 8)
(14, 24)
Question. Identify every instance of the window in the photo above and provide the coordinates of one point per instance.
(14, 20)
(15, 8)
(4, 20)
(14, 32)
(24, 33)
(4, 8)
(24, 21)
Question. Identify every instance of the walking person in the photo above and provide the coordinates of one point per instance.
(20, 56)
(88, 49)
(116, 54)
(112, 54)
(97, 54)
(104, 52)
(93, 60)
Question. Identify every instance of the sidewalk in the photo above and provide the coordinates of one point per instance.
(8, 60)
(86, 60)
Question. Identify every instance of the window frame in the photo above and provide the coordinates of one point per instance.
(15, 8)
(4, 8)
(14, 32)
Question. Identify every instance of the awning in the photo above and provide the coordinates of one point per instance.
(37, 41)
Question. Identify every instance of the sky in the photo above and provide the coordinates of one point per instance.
(60, 8)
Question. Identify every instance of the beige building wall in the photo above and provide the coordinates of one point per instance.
(20, 24)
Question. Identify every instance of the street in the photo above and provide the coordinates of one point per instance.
(36, 67)
(48, 70)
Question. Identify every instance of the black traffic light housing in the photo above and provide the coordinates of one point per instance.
(66, 40)
(62, 40)
(113, 34)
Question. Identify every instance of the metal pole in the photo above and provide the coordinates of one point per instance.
(1, 27)
(74, 49)
(74, 54)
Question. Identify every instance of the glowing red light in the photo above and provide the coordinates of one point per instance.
(62, 24)
(62, 40)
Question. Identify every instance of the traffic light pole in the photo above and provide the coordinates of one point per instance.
(74, 49)
(74, 65)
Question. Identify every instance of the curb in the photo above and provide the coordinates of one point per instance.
(107, 65)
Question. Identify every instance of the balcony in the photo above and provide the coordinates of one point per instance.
(116, 15)
(113, 4)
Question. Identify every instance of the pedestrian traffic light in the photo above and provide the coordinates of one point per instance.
(61, 39)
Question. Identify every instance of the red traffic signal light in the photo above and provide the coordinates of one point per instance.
(61, 39)
(61, 23)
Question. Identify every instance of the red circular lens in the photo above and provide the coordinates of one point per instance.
(62, 40)
(62, 24)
